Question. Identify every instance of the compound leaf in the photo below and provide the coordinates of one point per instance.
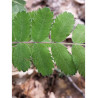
(17, 6)
(63, 59)
(42, 59)
(41, 24)
(21, 26)
(62, 27)
(21, 57)
(78, 54)
(78, 35)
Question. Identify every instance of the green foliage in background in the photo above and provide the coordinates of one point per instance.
(17, 6)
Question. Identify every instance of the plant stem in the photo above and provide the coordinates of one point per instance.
(50, 43)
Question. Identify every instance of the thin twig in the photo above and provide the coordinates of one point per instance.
(70, 79)
(50, 43)
(72, 82)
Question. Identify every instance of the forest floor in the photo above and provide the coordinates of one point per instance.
(31, 84)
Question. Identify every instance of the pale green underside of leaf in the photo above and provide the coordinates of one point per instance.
(17, 6)
(42, 59)
(63, 59)
(41, 24)
(78, 54)
(62, 27)
(21, 26)
(21, 57)
(78, 35)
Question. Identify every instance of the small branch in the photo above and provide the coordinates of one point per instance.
(49, 43)
(72, 82)
(70, 79)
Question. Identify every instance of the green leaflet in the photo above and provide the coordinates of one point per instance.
(21, 57)
(78, 54)
(42, 59)
(41, 24)
(47, 40)
(13, 48)
(78, 35)
(21, 26)
(13, 37)
(17, 6)
(63, 59)
(32, 15)
(62, 27)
